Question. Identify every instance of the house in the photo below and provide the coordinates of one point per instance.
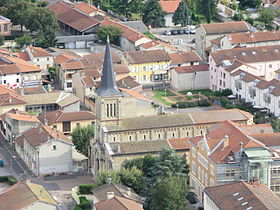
(137, 25)
(184, 59)
(260, 61)
(66, 122)
(248, 39)
(190, 77)
(228, 152)
(118, 203)
(158, 45)
(207, 32)
(15, 72)
(72, 20)
(25, 195)
(5, 26)
(31, 90)
(101, 193)
(169, 7)
(148, 66)
(65, 72)
(15, 122)
(45, 150)
(46, 102)
(240, 195)
(88, 9)
(130, 39)
(261, 93)
(127, 119)
(38, 57)
(10, 99)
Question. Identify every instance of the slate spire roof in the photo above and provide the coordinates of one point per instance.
(108, 87)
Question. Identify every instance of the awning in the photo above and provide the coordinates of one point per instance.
(257, 153)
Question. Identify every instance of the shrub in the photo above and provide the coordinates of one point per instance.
(204, 102)
(189, 104)
(84, 204)
(86, 188)
(8, 179)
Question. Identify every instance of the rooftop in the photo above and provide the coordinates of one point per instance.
(243, 195)
(150, 56)
(225, 28)
(118, 203)
(169, 6)
(252, 37)
(191, 69)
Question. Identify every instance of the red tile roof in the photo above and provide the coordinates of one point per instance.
(180, 144)
(150, 56)
(39, 52)
(72, 65)
(118, 203)
(191, 69)
(224, 28)
(73, 17)
(85, 8)
(169, 6)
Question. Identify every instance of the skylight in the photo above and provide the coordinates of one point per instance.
(235, 194)
(241, 198)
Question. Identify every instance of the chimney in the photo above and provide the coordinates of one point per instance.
(251, 35)
(226, 141)
(22, 91)
(110, 195)
(241, 147)
(10, 100)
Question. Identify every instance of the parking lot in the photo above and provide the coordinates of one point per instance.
(183, 42)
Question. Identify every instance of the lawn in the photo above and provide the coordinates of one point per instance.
(160, 96)
(205, 92)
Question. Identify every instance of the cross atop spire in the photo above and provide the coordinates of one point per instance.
(108, 87)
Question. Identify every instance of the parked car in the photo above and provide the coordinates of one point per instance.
(174, 32)
(192, 29)
(186, 31)
(181, 31)
(1, 163)
(167, 32)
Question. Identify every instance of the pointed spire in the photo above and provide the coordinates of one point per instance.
(108, 87)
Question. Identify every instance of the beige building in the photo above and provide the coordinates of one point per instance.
(184, 59)
(207, 32)
(5, 26)
(45, 151)
(122, 119)
(66, 122)
(190, 77)
(27, 196)
(228, 152)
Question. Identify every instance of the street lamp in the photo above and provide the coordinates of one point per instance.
(177, 107)
(165, 93)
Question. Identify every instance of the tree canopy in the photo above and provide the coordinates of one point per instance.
(208, 8)
(113, 32)
(250, 3)
(169, 193)
(153, 14)
(24, 40)
(81, 138)
(266, 16)
(127, 7)
(182, 14)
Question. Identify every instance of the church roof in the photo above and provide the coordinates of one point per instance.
(108, 86)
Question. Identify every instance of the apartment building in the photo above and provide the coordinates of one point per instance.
(248, 39)
(148, 66)
(207, 32)
(229, 152)
(261, 61)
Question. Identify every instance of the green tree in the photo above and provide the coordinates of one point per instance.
(182, 14)
(234, 5)
(2, 39)
(153, 14)
(144, 164)
(208, 8)
(52, 70)
(24, 40)
(113, 32)
(238, 16)
(168, 193)
(81, 138)
(266, 16)
(45, 39)
(127, 7)
(250, 3)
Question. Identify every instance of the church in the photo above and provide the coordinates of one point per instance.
(126, 121)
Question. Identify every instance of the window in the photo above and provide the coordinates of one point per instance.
(6, 27)
(55, 126)
(221, 82)
(66, 126)
(144, 136)
(224, 75)
(54, 147)
(224, 83)
(144, 77)
(158, 135)
(17, 80)
(144, 68)
(212, 170)
(187, 134)
(173, 135)
(38, 59)
(129, 138)
(202, 160)
(5, 81)
(78, 124)
(275, 185)
(69, 84)
(48, 59)
(230, 172)
(114, 138)
(193, 152)
(270, 65)
(193, 167)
